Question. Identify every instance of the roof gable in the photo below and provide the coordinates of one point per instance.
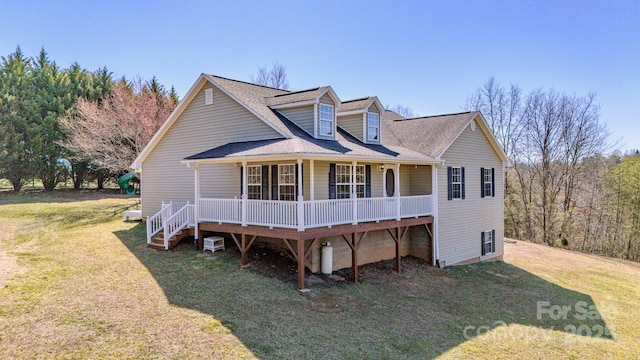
(433, 135)
(249, 96)
(301, 98)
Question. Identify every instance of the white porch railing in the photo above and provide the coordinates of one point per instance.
(155, 222)
(316, 213)
(174, 217)
(181, 219)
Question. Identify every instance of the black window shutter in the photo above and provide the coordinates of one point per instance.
(493, 241)
(493, 182)
(274, 182)
(462, 186)
(481, 182)
(265, 182)
(449, 187)
(367, 179)
(482, 242)
(241, 179)
(332, 181)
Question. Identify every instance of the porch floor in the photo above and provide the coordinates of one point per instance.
(353, 235)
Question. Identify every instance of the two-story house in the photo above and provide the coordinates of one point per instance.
(299, 169)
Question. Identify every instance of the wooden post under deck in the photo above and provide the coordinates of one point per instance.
(398, 269)
(354, 258)
(301, 257)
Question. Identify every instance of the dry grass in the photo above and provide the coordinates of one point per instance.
(91, 289)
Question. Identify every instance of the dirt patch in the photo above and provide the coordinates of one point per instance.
(8, 266)
(281, 265)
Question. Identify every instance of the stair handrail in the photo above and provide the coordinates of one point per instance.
(176, 222)
(156, 221)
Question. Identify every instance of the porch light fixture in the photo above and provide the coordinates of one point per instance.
(381, 168)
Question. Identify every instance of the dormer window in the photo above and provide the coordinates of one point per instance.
(326, 120)
(373, 126)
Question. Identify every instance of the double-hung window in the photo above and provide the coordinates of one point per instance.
(488, 186)
(456, 182)
(373, 126)
(287, 182)
(488, 242)
(326, 120)
(254, 181)
(344, 181)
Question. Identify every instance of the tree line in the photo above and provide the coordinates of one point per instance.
(73, 123)
(564, 187)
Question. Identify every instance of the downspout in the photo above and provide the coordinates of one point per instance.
(434, 195)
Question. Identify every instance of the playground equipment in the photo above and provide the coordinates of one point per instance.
(125, 183)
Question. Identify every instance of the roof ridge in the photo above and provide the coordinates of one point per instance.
(248, 83)
(359, 99)
(432, 116)
(297, 92)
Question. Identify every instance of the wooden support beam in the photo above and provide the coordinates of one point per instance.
(200, 242)
(398, 258)
(243, 250)
(306, 252)
(348, 242)
(288, 243)
(300, 264)
(235, 239)
(354, 258)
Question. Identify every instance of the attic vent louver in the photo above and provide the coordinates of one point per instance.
(208, 96)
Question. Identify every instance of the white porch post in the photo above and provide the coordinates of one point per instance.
(196, 209)
(397, 191)
(311, 181)
(434, 198)
(300, 199)
(354, 194)
(245, 189)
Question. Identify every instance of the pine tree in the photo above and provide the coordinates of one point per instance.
(17, 107)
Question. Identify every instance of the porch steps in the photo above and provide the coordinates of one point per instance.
(157, 242)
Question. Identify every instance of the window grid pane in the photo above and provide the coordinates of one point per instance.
(326, 120)
(287, 182)
(373, 126)
(456, 182)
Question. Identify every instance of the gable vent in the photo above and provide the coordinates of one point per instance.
(208, 96)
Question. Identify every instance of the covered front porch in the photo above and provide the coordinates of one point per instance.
(300, 200)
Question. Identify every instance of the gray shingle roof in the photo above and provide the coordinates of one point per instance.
(430, 135)
(418, 139)
(355, 104)
(303, 143)
(296, 96)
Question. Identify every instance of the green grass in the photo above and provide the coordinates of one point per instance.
(84, 285)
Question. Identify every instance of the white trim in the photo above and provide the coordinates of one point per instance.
(311, 180)
(367, 137)
(315, 120)
(434, 194)
(320, 120)
(196, 209)
(332, 95)
(319, 157)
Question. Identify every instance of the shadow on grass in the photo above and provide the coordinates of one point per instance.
(60, 196)
(420, 314)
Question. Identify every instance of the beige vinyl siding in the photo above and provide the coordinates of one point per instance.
(376, 181)
(461, 221)
(301, 116)
(353, 125)
(405, 180)
(374, 108)
(326, 99)
(420, 180)
(200, 127)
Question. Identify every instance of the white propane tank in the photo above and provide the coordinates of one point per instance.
(327, 259)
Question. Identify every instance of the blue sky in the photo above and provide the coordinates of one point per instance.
(429, 55)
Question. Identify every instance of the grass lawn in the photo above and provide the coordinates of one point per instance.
(78, 282)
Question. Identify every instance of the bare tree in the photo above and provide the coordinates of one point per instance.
(403, 110)
(113, 133)
(276, 77)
